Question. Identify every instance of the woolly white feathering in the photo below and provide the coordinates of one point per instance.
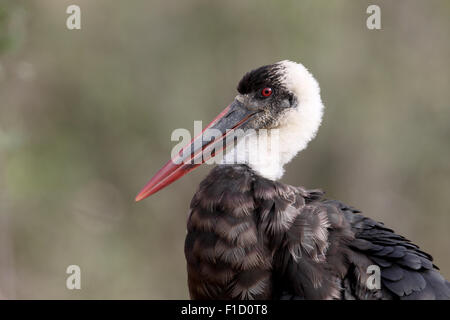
(296, 129)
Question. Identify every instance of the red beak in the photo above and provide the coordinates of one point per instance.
(231, 118)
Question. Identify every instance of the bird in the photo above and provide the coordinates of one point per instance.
(252, 237)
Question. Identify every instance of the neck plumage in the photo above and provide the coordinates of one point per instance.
(267, 151)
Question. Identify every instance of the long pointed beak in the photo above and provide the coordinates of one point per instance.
(198, 150)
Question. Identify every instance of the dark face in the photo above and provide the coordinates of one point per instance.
(263, 89)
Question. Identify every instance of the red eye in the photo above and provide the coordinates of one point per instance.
(266, 92)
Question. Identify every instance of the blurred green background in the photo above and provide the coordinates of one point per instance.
(86, 118)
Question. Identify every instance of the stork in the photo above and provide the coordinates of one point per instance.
(250, 236)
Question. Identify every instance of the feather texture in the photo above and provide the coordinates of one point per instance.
(253, 238)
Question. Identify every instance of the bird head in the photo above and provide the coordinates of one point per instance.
(282, 100)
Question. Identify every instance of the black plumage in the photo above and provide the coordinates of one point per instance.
(254, 238)
(251, 237)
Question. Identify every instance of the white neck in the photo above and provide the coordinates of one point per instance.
(295, 130)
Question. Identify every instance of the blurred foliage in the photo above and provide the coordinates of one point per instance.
(5, 39)
(86, 118)
(12, 27)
